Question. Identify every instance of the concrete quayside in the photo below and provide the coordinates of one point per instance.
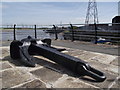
(48, 74)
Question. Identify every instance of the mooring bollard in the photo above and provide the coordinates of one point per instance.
(56, 36)
(14, 32)
(72, 32)
(35, 32)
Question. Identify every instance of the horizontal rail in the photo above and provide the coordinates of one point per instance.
(60, 24)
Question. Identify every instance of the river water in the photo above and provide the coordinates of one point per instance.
(20, 34)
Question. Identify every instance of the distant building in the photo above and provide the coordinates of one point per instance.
(92, 27)
(116, 23)
(116, 19)
(99, 26)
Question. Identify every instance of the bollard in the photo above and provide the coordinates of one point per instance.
(95, 33)
(35, 32)
(56, 36)
(14, 32)
(72, 32)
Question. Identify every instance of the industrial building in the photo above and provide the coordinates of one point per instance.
(116, 23)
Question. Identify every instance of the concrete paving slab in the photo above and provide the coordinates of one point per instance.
(13, 62)
(33, 84)
(110, 78)
(86, 56)
(115, 83)
(0, 74)
(5, 65)
(74, 52)
(113, 68)
(116, 61)
(105, 67)
(47, 75)
(0, 65)
(13, 77)
(5, 51)
(0, 83)
(71, 82)
(104, 58)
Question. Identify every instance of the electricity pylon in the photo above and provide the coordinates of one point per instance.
(92, 13)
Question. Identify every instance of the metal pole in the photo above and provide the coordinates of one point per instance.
(95, 33)
(56, 36)
(35, 32)
(72, 32)
(14, 32)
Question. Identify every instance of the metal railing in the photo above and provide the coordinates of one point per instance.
(73, 32)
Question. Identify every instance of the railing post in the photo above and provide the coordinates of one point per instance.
(71, 27)
(14, 32)
(35, 32)
(56, 36)
(95, 33)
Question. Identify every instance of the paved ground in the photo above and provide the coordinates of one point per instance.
(48, 74)
(88, 46)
